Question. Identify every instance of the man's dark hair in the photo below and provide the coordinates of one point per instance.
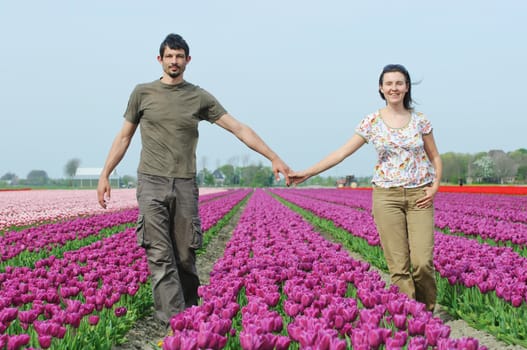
(175, 42)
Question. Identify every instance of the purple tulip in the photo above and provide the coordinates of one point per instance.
(172, 343)
(416, 326)
(93, 320)
(359, 338)
(395, 306)
(468, 344)
(250, 341)
(291, 309)
(15, 342)
(189, 343)
(370, 317)
(204, 339)
(28, 316)
(120, 311)
(8, 315)
(375, 337)
(282, 343)
(399, 321)
(432, 334)
(74, 319)
(417, 343)
(45, 341)
(516, 300)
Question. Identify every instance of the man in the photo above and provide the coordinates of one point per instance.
(168, 111)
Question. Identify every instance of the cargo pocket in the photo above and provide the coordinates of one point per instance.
(197, 235)
(140, 231)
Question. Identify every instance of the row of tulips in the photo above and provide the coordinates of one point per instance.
(34, 207)
(45, 237)
(27, 208)
(484, 284)
(472, 189)
(499, 220)
(503, 208)
(212, 210)
(211, 195)
(511, 209)
(280, 285)
(84, 298)
(38, 241)
(462, 214)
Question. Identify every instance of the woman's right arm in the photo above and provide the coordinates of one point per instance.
(332, 159)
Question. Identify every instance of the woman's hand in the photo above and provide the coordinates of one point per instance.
(428, 200)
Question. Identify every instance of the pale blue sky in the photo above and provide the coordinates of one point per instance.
(301, 73)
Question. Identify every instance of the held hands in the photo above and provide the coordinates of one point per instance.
(297, 177)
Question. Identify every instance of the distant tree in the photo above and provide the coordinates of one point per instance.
(522, 151)
(504, 167)
(70, 169)
(455, 166)
(263, 177)
(208, 178)
(256, 176)
(230, 174)
(37, 177)
(519, 157)
(9, 177)
(316, 181)
(521, 173)
(483, 169)
(205, 178)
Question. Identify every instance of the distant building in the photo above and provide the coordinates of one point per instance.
(219, 177)
(89, 178)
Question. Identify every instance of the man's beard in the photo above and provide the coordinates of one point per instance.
(173, 74)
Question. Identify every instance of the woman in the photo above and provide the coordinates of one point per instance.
(405, 181)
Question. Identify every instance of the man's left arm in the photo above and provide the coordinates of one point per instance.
(250, 138)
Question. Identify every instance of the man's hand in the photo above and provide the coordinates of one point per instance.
(103, 191)
(280, 167)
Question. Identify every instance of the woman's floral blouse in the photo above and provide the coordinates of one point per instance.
(402, 160)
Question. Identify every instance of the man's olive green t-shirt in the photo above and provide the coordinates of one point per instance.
(168, 117)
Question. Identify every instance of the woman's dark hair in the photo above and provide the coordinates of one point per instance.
(175, 42)
(407, 101)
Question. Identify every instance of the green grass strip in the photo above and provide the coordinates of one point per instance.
(372, 254)
(214, 230)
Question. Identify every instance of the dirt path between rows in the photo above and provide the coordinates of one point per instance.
(146, 333)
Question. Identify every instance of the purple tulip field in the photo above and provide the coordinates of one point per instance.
(480, 251)
(73, 277)
(76, 278)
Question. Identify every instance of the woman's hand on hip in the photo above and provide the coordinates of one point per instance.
(428, 199)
